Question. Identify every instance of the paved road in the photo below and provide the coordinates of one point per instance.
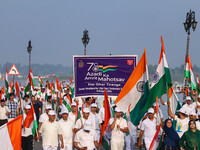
(38, 146)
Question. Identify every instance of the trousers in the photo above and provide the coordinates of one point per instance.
(27, 142)
(117, 145)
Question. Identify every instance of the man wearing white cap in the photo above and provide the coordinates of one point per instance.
(182, 121)
(80, 122)
(27, 136)
(86, 138)
(192, 116)
(73, 113)
(50, 131)
(148, 129)
(67, 128)
(44, 117)
(118, 126)
(95, 119)
(189, 107)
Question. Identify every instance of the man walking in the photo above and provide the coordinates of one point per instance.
(118, 126)
(67, 129)
(50, 131)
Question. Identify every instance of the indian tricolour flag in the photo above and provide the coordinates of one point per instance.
(10, 132)
(189, 73)
(174, 101)
(198, 85)
(135, 91)
(162, 80)
(106, 131)
(40, 81)
(157, 138)
(30, 120)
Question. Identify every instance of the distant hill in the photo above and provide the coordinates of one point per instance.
(177, 73)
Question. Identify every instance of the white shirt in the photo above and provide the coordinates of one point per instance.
(95, 120)
(189, 108)
(149, 128)
(26, 131)
(79, 123)
(3, 111)
(117, 135)
(72, 117)
(50, 133)
(198, 125)
(67, 127)
(181, 125)
(86, 139)
(43, 96)
(195, 104)
(102, 113)
(43, 117)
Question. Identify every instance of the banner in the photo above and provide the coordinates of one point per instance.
(94, 73)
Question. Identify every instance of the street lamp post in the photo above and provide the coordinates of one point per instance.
(29, 49)
(190, 22)
(85, 40)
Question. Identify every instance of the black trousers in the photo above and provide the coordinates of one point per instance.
(2, 122)
(27, 143)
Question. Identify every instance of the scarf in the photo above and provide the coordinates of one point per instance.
(171, 137)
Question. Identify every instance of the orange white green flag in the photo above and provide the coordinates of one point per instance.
(10, 132)
(105, 134)
(40, 81)
(30, 120)
(135, 91)
(174, 101)
(189, 73)
(161, 81)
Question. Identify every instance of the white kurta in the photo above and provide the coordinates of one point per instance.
(50, 133)
(86, 139)
(149, 128)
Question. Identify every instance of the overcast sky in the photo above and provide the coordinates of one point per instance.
(117, 27)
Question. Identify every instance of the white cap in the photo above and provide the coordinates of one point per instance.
(65, 111)
(150, 110)
(117, 109)
(182, 110)
(93, 105)
(154, 104)
(28, 106)
(188, 98)
(48, 107)
(73, 104)
(38, 96)
(193, 113)
(52, 113)
(65, 88)
(87, 125)
(199, 96)
(86, 110)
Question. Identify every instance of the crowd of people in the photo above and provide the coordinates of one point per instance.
(79, 127)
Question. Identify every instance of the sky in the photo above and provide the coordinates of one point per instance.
(117, 27)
